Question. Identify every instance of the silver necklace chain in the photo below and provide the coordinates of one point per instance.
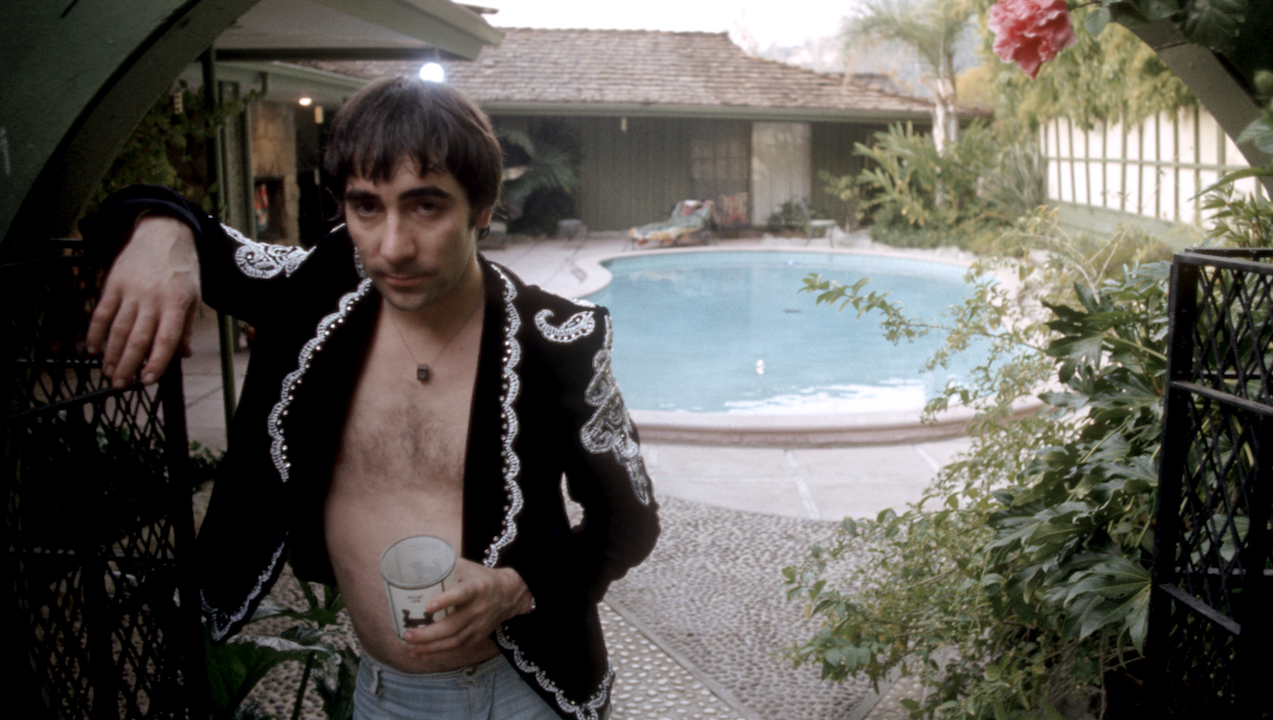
(422, 371)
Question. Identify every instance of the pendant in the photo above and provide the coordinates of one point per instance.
(422, 372)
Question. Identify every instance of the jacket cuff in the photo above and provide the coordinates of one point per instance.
(107, 228)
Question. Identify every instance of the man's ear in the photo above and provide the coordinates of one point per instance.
(483, 218)
(333, 209)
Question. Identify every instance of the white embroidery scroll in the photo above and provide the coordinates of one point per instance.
(610, 429)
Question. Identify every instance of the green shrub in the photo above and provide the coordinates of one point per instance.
(1020, 580)
(793, 215)
(541, 176)
(915, 197)
(167, 147)
(316, 640)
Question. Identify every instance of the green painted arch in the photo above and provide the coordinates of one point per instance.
(77, 76)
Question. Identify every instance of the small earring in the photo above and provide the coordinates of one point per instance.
(483, 232)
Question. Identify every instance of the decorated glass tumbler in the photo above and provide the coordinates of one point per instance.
(416, 570)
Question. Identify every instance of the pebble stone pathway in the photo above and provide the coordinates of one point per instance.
(712, 592)
(651, 685)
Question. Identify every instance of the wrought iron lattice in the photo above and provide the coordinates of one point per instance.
(1211, 616)
(101, 609)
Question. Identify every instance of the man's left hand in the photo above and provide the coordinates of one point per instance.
(481, 600)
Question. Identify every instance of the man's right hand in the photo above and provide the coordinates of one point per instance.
(147, 306)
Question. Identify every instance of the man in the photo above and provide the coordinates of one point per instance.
(402, 385)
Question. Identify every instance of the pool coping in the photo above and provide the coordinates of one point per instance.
(598, 276)
(827, 430)
(803, 430)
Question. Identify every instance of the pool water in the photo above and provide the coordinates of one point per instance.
(730, 332)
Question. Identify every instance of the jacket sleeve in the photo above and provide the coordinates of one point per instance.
(240, 277)
(605, 474)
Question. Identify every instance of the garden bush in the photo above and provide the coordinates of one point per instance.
(915, 197)
(541, 176)
(1019, 585)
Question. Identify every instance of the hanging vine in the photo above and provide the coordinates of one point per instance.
(167, 146)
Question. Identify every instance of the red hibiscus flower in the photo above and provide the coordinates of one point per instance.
(1031, 32)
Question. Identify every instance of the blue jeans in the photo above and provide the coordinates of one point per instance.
(491, 690)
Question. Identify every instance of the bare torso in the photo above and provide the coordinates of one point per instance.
(399, 472)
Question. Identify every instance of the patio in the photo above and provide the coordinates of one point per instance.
(698, 630)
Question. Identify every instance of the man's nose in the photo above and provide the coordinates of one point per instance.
(397, 245)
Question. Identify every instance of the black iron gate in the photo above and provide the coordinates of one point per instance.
(101, 619)
(1211, 615)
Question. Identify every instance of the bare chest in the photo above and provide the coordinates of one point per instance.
(401, 432)
(400, 464)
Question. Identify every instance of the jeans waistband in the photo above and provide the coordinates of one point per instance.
(464, 673)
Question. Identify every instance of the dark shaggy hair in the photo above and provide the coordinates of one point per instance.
(430, 123)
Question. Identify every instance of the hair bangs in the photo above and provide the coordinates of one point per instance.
(430, 124)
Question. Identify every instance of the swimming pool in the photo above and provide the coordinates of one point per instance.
(729, 332)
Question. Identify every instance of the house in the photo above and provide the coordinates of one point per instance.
(665, 116)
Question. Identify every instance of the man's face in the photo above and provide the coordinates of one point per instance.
(416, 234)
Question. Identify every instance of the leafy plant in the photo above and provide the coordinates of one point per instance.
(1114, 77)
(1019, 184)
(1019, 581)
(917, 197)
(1241, 220)
(316, 641)
(541, 176)
(203, 465)
(847, 190)
(1236, 29)
(793, 215)
(167, 147)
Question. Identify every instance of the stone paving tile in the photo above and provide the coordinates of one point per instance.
(724, 463)
(849, 465)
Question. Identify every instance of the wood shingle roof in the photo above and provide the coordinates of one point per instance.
(650, 72)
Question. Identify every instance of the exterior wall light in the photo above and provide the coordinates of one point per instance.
(432, 72)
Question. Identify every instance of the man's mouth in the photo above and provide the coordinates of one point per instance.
(403, 281)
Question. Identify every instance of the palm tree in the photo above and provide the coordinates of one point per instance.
(931, 29)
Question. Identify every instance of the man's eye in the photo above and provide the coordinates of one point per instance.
(428, 207)
(365, 208)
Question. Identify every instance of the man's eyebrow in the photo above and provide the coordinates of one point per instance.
(358, 195)
(428, 191)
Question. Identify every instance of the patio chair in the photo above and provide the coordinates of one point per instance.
(691, 221)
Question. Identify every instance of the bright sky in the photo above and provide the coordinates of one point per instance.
(784, 22)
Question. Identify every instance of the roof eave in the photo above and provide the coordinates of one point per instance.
(286, 80)
(439, 23)
(707, 112)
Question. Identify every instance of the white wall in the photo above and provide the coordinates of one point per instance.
(1153, 169)
(781, 166)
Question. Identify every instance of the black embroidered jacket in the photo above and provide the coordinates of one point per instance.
(545, 404)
